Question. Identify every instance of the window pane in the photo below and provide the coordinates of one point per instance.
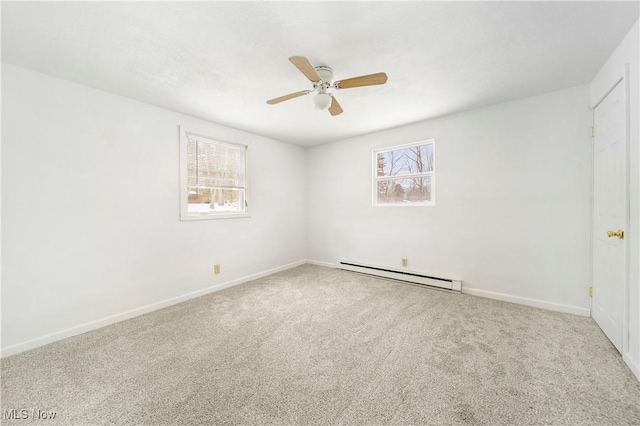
(216, 176)
(206, 200)
(416, 159)
(414, 190)
(214, 164)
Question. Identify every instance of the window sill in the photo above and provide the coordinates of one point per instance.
(405, 205)
(208, 216)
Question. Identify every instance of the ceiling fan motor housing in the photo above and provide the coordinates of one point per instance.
(325, 73)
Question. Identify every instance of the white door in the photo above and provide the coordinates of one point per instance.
(609, 201)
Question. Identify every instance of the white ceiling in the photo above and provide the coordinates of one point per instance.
(221, 61)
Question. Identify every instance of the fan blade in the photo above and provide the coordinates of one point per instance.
(287, 97)
(365, 80)
(305, 67)
(335, 108)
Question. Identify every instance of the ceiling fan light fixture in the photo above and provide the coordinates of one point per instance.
(321, 101)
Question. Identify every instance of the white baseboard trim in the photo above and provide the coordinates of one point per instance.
(112, 319)
(320, 263)
(577, 310)
(632, 365)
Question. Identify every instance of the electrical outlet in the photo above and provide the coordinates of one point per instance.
(216, 269)
(405, 262)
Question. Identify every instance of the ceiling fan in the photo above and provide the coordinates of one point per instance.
(322, 79)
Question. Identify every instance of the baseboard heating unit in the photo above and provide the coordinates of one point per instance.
(412, 277)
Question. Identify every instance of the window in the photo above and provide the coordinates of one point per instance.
(213, 177)
(404, 175)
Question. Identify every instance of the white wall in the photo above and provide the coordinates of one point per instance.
(90, 209)
(626, 56)
(512, 213)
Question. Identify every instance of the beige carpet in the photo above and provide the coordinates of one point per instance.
(314, 345)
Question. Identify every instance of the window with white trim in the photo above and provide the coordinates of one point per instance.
(404, 175)
(213, 177)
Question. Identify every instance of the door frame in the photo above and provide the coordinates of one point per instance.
(624, 80)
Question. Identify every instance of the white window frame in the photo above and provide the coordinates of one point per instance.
(185, 215)
(377, 178)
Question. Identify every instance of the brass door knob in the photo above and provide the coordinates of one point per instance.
(619, 233)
